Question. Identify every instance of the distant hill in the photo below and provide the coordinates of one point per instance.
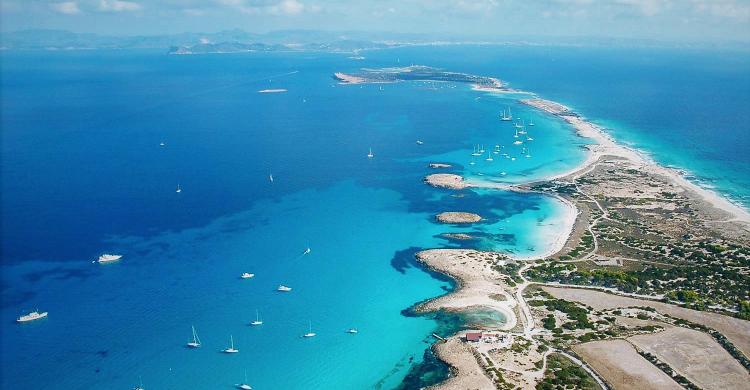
(236, 40)
(194, 43)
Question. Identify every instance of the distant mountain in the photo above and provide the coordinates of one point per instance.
(238, 47)
(337, 41)
(194, 43)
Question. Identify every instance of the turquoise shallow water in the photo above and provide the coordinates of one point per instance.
(83, 174)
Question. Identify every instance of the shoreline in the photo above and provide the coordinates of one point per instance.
(607, 146)
(470, 291)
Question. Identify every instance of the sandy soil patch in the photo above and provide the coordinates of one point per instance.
(467, 374)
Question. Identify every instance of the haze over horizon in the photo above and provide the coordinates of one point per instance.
(664, 20)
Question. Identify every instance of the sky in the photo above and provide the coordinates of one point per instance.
(666, 20)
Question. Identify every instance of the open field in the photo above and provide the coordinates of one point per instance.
(622, 367)
(736, 330)
(695, 355)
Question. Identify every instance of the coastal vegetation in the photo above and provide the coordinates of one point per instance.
(561, 373)
(642, 235)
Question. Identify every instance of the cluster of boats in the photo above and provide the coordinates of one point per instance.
(520, 133)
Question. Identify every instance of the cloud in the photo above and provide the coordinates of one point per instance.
(282, 7)
(118, 6)
(646, 7)
(730, 9)
(66, 7)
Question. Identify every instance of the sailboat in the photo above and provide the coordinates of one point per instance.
(531, 122)
(475, 151)
(515, 135)
(307, 251)
(481, 150)
(508, 117)
(178, 189)
(196, 343)
(528, 153)
(257, 319)
(140, 386)
(244, 384)
(489, 156)
(370, 155)
(310, 332)
(231, 348)
(472, 161)
(270, 177)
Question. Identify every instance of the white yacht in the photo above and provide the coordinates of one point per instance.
(34, 315)
(370, 155)
(419, 142)
(178, 190)
(352, 331)
(257, 321)
(283, 288)
(196, 343)
(247, 275)
(231, 348)
(309, 332)
(517, 142)
(529, 138)
(105, 258)
(161, 144)
(244, 385)
(503, 173)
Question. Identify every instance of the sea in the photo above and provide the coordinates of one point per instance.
(95, 144)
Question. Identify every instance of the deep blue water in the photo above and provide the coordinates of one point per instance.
(83, 174)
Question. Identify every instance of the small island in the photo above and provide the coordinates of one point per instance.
(446, 180)
(420, 73)
(458, 217)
